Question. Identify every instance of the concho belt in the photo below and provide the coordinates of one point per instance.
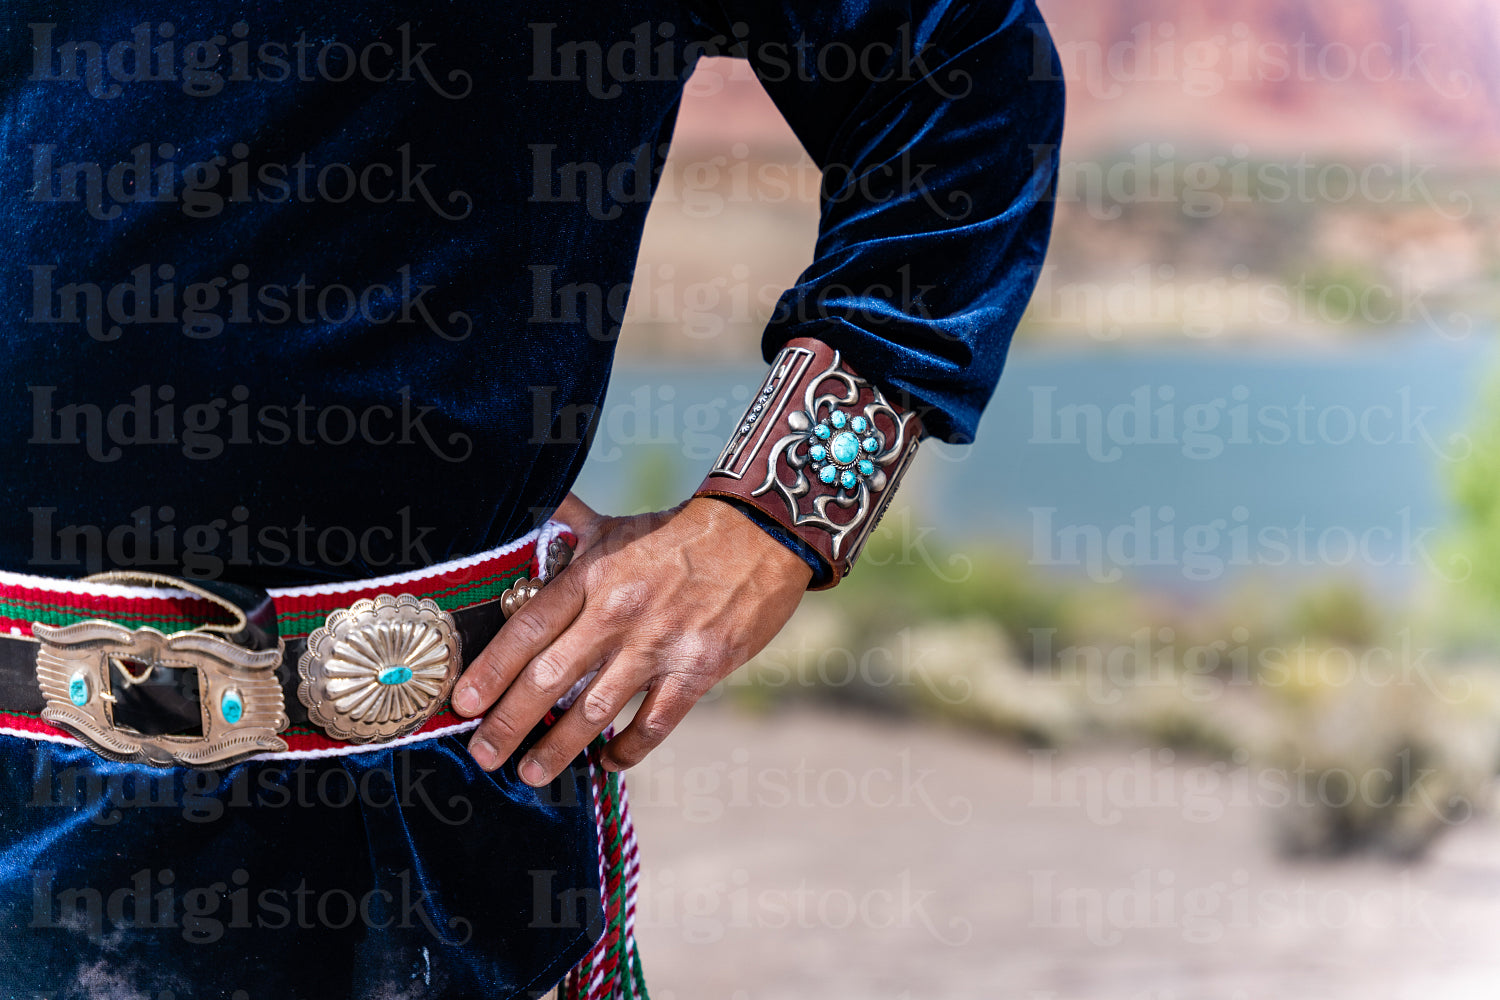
(206, 674)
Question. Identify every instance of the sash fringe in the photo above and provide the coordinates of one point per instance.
(612, 969)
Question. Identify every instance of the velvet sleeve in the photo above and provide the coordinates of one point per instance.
(936, 125)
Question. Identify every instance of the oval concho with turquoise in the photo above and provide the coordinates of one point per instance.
(380, 668)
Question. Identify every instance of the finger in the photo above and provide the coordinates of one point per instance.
(520, 640)
(603, 700)
(538, 686)
(663, 708)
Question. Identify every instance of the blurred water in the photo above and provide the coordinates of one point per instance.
(1180, 468)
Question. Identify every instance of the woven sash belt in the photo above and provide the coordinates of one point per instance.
(204, 674)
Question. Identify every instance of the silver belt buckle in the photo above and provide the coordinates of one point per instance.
(240, 696)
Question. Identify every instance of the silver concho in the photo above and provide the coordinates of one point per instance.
(516, 598)
(559, 555)
(378, 669)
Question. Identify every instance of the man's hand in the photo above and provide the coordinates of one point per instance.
(667, 603)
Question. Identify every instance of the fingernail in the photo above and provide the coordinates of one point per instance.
(531, 772)
(465, 700)
(483, 754)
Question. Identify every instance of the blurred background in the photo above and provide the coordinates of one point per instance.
(1181, 682)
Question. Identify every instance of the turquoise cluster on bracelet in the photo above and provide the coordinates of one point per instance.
(842, 449)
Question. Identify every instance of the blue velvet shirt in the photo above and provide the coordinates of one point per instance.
(295, 292)
(304, 292)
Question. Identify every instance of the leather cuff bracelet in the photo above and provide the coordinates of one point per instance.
(820, 452)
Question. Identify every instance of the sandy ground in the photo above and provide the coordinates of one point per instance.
(808, 854)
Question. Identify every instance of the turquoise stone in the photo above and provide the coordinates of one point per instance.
(394, 675)
(827, 473)
(822, 431)
(78, 690)
(866, 467)
(838, 420)
(818, 453)
(848, 479)
(859, 424)
(231, 707)
(870, 444)
(844, 448)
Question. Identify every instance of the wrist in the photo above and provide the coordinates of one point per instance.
(821, 572)
(742, 533)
